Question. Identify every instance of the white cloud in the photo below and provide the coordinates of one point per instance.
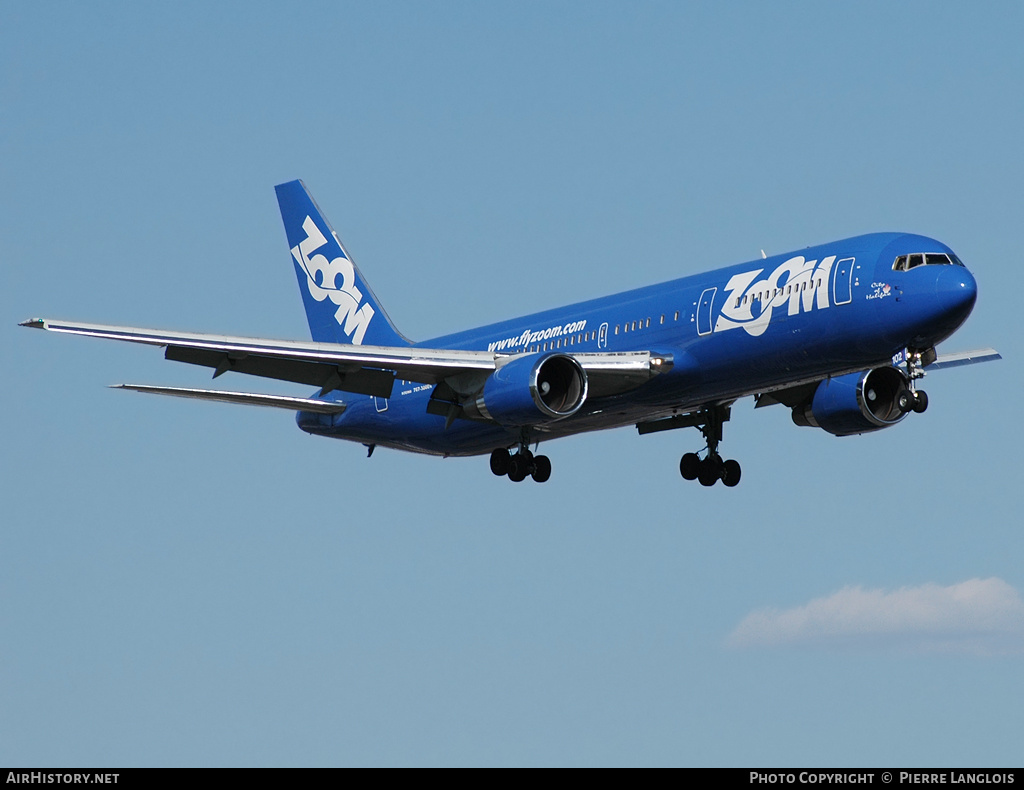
(981, 616)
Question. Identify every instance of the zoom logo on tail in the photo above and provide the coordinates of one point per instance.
(334, 280)
(340, 304)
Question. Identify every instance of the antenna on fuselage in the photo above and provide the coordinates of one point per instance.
(763, 255)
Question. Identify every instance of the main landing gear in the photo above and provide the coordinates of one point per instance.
(711, 468)
(521, 465)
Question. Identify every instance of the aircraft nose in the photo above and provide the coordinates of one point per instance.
(955, 293)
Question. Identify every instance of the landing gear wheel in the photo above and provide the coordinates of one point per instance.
(710, 470)
(518, 467)
(499, 462)
(905, 401)
(920, 402)
(689, 466)
(730, 473)
(541, 469)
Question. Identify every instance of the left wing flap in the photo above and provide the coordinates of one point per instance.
(247, 398)
(362, 381)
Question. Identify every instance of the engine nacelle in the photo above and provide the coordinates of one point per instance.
(531, 389)
(855, 403)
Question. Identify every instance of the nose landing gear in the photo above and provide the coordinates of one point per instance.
(913, 399)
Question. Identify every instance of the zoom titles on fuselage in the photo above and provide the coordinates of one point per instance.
(795, 285)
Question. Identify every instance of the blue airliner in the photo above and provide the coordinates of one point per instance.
(840, 333)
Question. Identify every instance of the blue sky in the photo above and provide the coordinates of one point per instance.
(199, 584)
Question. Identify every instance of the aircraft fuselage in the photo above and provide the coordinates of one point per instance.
(746, 329)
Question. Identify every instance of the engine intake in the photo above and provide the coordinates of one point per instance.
(855, 403)
(531, 389)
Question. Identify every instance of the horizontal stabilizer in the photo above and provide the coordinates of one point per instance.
(959, 358)
(247, 398)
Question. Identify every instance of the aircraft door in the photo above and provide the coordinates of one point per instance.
(842, 284)
(602, 336)
(704, 308)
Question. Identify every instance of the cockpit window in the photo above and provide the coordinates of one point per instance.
(907, 262)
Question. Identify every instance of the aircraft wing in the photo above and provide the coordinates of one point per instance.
(366, 370)
(959, 358)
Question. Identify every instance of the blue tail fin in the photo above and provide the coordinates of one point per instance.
(340, 305)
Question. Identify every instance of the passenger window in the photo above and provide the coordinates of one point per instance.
(663, 318)
(677, 316)
(616, 329)
(648, 323)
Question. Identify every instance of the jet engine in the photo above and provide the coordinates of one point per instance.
(531, 389)
(857, 402)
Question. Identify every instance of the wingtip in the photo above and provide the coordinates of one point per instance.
(34, 323)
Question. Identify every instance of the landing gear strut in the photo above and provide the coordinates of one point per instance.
(711, 468)
(521, 465)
